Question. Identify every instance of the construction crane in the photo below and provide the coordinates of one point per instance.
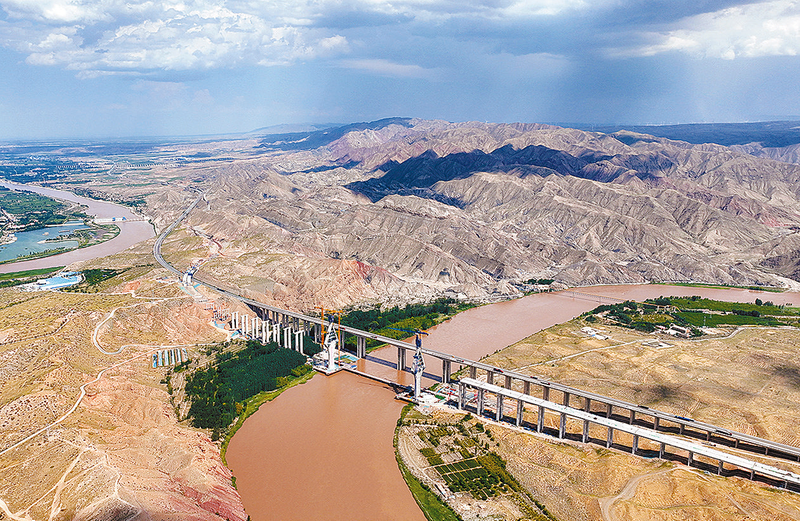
(419, 363)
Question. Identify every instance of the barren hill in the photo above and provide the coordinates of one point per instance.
(477, 209)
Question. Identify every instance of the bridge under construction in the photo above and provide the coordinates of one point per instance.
(667, 431)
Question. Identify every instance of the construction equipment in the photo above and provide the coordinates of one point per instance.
(419, 363)
(330, 338)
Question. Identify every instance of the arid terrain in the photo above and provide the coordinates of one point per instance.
(121, 453)
(744, 380)
(398, 211)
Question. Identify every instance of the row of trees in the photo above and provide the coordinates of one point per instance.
(214, 391)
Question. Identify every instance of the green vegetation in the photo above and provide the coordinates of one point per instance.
(693, 313)
(471, 467)
(23, 277)
(431, 505)
(412, 316)
(216, 390)
(31, 211)
(721, 286)
(545, 282)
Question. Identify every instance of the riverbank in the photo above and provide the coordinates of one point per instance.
(336, 425)
(132, 230)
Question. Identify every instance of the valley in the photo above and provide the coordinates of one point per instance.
(389, 213)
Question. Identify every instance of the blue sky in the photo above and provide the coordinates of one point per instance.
(117, 68)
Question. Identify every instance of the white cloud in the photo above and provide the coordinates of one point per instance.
(761, 29)
(117, 36)
(387, 68)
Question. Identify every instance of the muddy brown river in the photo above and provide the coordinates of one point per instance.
(323, 450)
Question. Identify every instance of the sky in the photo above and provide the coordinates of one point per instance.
(126, 68)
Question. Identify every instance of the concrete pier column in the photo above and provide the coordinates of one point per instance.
(489, 377)
(609, 407)
(635, 444)
(473, 372)
(720, 467)
(610, 437)
(361, 347)
(691, 458)
(461, 392)
(296, 323)
(446, 371)
(276, 333)
(708, 435)
(520, 407)
(656, 421)
(661, 450)
(401, 358)
(235, 320)
(587, 404)
(298, 340)
(753, 474)
(508, 382)
(480, 402)
(264, 331)
(633, 417)
(546, 393)
(562, 425)
(585, 436)
(682, 428)
(287, 338)
(498, 413)
(540, 420)
(526, 387)
(566, 399)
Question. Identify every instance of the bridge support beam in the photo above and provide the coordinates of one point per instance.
(610, 437)
(480, 401)
(633, 417)
(540, 420)
(635, 444)
(508, 382)
(298, 340)
(446, 371)
(361, 347)
(473, 372)
(520, 407)
(661, 449)
(690, 460)
(401, 358)
(566, 399)
(656, 421)
(585, 436)
(461, 392)
(489, 377)
(498, 413)
(562, 425)
(526, 387)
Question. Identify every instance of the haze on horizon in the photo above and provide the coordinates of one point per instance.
(115, 68)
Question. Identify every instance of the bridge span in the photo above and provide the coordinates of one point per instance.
(271, 322)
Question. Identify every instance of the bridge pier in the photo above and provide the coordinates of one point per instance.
(461, 391)
(610, 437)
(498, 413)
(566, 399)
(401, 358)
(635, 444)
(480, 402)
(540, 420)
(585, 436)
(473, 372)
(546, 393)
(520, 406)
(633, 417)
(361, 347)
(526, 387)
(446, 371)
(562, 425)
(489, 377)
(298, 340)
